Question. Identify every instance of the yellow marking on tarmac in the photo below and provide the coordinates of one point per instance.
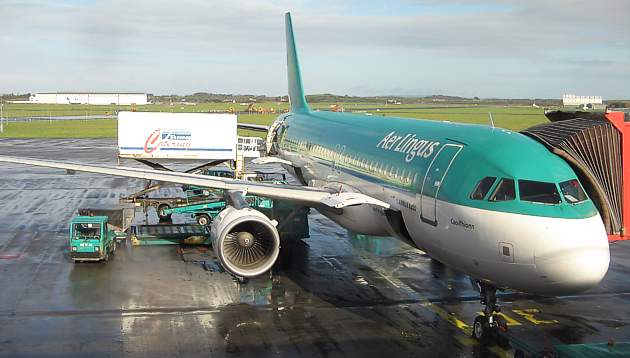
(466, 340)
(447, 316)
(510, 321)
(529, 313)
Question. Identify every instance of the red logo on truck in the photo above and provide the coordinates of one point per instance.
(167, 138)
(150, 144)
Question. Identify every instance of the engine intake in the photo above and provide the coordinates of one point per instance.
(246, 241)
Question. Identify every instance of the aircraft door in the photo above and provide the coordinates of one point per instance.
(433, 179)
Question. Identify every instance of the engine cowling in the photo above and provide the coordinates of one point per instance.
(246, 242)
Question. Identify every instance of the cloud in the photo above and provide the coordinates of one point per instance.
(220, 45)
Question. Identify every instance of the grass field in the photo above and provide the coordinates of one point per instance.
(97, 128)
(12, 110)
(515, 118)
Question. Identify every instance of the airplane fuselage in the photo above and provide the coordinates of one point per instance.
(427, 172)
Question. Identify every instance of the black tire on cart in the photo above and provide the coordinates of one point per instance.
(203, 219)
(160, 212)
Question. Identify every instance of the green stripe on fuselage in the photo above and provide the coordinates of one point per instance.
(397, 152)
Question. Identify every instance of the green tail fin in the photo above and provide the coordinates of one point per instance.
(296, 91)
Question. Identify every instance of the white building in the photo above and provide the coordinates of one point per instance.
(574, 100)
(102, 98)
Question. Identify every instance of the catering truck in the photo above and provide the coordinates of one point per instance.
(181, 136)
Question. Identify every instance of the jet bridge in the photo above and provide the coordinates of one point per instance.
(597, 146)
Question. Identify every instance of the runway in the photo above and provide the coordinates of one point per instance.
(333, 294)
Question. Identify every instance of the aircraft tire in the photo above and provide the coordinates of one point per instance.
(481, 328)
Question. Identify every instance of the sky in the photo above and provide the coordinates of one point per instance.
(488, 49)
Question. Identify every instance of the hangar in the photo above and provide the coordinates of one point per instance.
(575, 100)
(102, 98)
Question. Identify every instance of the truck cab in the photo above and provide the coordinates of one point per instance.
(90, 239)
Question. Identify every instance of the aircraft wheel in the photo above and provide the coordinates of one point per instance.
(203, 219)
(481, 328)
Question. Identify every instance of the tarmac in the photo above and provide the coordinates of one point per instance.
(333, 294)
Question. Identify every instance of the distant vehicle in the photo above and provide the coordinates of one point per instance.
(90, 239)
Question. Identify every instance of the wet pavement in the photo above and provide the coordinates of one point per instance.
(334, 294)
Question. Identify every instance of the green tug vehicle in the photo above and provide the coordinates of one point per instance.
(205, 212)
(90, 239)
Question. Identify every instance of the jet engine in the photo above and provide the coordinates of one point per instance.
(246, 242)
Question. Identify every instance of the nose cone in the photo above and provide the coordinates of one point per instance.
(573, 270)
(575, 258)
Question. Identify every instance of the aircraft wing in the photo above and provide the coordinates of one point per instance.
(312, 196)
(253, 127)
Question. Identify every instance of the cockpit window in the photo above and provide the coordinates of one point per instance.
(538, 192)
(505, 191)
(482, 188)
(572, 191)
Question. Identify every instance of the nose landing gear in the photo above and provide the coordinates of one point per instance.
(488, 324)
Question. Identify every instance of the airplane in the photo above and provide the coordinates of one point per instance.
(491, 203)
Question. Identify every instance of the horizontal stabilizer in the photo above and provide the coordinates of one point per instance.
(253, 127)
(270, 159)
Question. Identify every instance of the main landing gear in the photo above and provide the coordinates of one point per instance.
(488, 324)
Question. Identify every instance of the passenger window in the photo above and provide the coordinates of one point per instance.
(505, 191)
(572, 191)
(538, 192)
(482, 188)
